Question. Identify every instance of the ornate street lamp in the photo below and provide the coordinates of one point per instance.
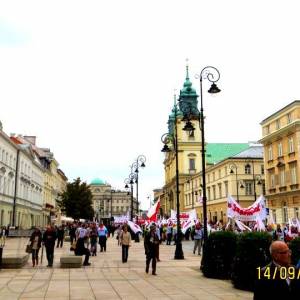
(138, 163)
(233, 167)
(212, 75)
(130, 181)
(168, 139)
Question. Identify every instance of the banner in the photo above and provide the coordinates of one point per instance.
(235, 211)
(183, 216)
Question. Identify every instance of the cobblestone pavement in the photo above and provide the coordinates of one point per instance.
(109, 278)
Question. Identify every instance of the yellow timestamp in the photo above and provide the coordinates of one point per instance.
(278, 273)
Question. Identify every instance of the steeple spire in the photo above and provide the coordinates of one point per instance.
(187, 69)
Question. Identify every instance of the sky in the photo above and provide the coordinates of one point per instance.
(94, 80)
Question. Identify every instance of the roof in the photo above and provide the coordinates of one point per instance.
(97, 181)
(256, 151)
(296, 102)
(216, 152)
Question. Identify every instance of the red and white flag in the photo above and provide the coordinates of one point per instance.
(134, 227)
(153, 211)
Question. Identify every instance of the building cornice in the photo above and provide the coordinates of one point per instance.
(279, 112)
(280, 132)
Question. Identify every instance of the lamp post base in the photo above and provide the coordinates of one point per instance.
(178, 251)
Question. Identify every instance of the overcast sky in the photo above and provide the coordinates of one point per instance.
(94, 80)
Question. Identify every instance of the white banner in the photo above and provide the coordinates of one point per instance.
(235, 211)
(184, 216)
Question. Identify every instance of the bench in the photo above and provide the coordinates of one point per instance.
(70, 261)
(14, 261)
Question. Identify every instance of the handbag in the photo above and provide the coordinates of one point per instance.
(28, 249)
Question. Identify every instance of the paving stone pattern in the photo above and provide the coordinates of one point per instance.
(108, 278)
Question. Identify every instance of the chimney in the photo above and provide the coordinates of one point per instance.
(30, 138)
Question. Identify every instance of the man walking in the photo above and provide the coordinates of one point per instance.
(49, 238)
(150, 242)
(198, 238)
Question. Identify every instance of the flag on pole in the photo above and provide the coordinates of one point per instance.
(153, 211)
(134, 227)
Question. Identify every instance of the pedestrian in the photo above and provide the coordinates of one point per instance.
(125, 241)
(102, 233)
(198, 238)
(60, 233)
(119, 231)
(150, 242)
(35, 244)
(72, 233)
(157, 245)
(49, 238)
(275, 281)
(93, 239)
(169, 234)
(82, 250)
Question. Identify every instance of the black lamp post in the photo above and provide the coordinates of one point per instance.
(130, 180)
(168, 138)
(255, 177)
(232, 167)
(139, 163)
(212, 75)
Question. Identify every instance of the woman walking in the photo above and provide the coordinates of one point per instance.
(35, 243)
(125, 240)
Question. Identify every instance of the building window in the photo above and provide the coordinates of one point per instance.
(272, 180)
(289, 118)
(280, 150)
(296, 212)
(270, 153)
(262, 169)
(267, 129)
(220, 190)
(192, 163)
(291, 145)
(214, 178)
(282, 177)
(284, 213)
(214, 192)
(248, 188)
(293, 171)
(219, 174)
(226, 188)
(247, 169)
(208, 193)
(277, 124)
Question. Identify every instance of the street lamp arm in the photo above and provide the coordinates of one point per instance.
(211, 73)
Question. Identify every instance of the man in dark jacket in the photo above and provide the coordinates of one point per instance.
(82, 250)
(279, 279)
(150, 243)
(49, 238)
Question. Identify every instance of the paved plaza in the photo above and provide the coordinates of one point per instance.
(109, 278)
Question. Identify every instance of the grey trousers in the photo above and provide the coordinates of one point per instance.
(198, 244)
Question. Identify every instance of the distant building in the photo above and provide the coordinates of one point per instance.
(109, 202)
(281, 140)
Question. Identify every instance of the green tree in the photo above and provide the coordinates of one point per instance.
(76, 201)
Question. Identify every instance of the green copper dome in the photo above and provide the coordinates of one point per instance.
(97, 181)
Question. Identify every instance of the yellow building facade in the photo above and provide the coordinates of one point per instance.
(281, 140)
(240, 175)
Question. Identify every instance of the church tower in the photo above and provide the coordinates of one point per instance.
(189, 145)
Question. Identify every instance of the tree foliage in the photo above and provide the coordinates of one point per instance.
(76, 201)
